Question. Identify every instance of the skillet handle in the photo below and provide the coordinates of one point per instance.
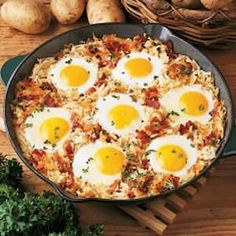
(230, 148)
(9, 67)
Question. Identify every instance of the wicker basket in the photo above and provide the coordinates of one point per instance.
(202, 27)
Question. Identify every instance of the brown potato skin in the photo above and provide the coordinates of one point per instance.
(28, 16)
(102, 11)
(67, 12)
(215, 4)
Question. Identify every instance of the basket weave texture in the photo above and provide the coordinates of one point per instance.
(203, 27)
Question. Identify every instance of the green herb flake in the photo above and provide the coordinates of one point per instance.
(85, 170)
(173, 113)
(115, 96)
(28, 125)
(201, 107)
(68, 61)
(149, 152)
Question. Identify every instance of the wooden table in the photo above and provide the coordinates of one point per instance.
(211, 212)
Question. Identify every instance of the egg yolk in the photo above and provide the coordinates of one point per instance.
(53, 130)
(138, 67)
(121, 116)
(193, 103)
(74, 75)
(171, 157)
(109, 160)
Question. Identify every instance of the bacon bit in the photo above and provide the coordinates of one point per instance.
(51, 101)
(151, 98)
(210, 139)
(180, 70)
(170, 49)
(28, 90)
(144, 186)
(101, 81)
(68, 147)
(183, 129)
(145, 164)
(48, 86)
(157, 126)
(114, 186)
(70, 180)
(91, 90)
(139, 40)
(37, 159)
(63, 166)
(131, 194)
(75, 118)
(143, 137)
(116, 45)
(93, 131)
(175, 181)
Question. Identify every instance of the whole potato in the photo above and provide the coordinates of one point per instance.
(101, 11)
(67, 12)
(28, 16)
(215, 4)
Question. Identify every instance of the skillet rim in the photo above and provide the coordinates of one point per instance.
(170, 36)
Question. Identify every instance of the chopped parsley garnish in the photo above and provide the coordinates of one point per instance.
(183, 109)
(129, 157)
(112, 122)
(128, 56)
(127, 175)
(56, 132)
(143, 90)
(192, 145)
(47, 142)
(90, 159)
(28, 125)
(85, 170)
(54, 145)
(127, 145)
(155, 77)
(145, 84)
(149, 152)
(115, 96)
(201, 107)
(122, 72)
(173, 113)
(173, 151)
(68, 61)
(149, 58)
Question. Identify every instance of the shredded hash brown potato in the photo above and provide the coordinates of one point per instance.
(138, 179)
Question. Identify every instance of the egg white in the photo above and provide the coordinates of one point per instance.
(54, 73)
(103, 106)
(36, 119)
(158, 65)
(171, 102)
(178, 140)
(85, 168)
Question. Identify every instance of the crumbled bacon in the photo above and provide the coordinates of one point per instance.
(62, 164)
(48, 86)
(75, 118)
(28, 90)
(37, 159)
(143, 137)
(144, 186)
(151, 98)
(210, 139)
(184, 129)
(114, 186)
(51, 101)
(101, 81)
(69, 149)
(180, 70)
(70, 180)
(157, 126)
(170, 49)
(131, 194)
(116, 45)
(175, 181)
(139, 40)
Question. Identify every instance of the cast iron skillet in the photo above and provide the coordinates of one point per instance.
(19, 67)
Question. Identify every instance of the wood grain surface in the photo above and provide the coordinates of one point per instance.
(211, 212)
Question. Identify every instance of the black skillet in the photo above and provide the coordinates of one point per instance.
(19, 67)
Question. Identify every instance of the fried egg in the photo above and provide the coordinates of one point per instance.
(192, 102)
(173, 154)
(47, 128)
(139, 68)
(118, 113)
(73, 73)
(99, 163)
